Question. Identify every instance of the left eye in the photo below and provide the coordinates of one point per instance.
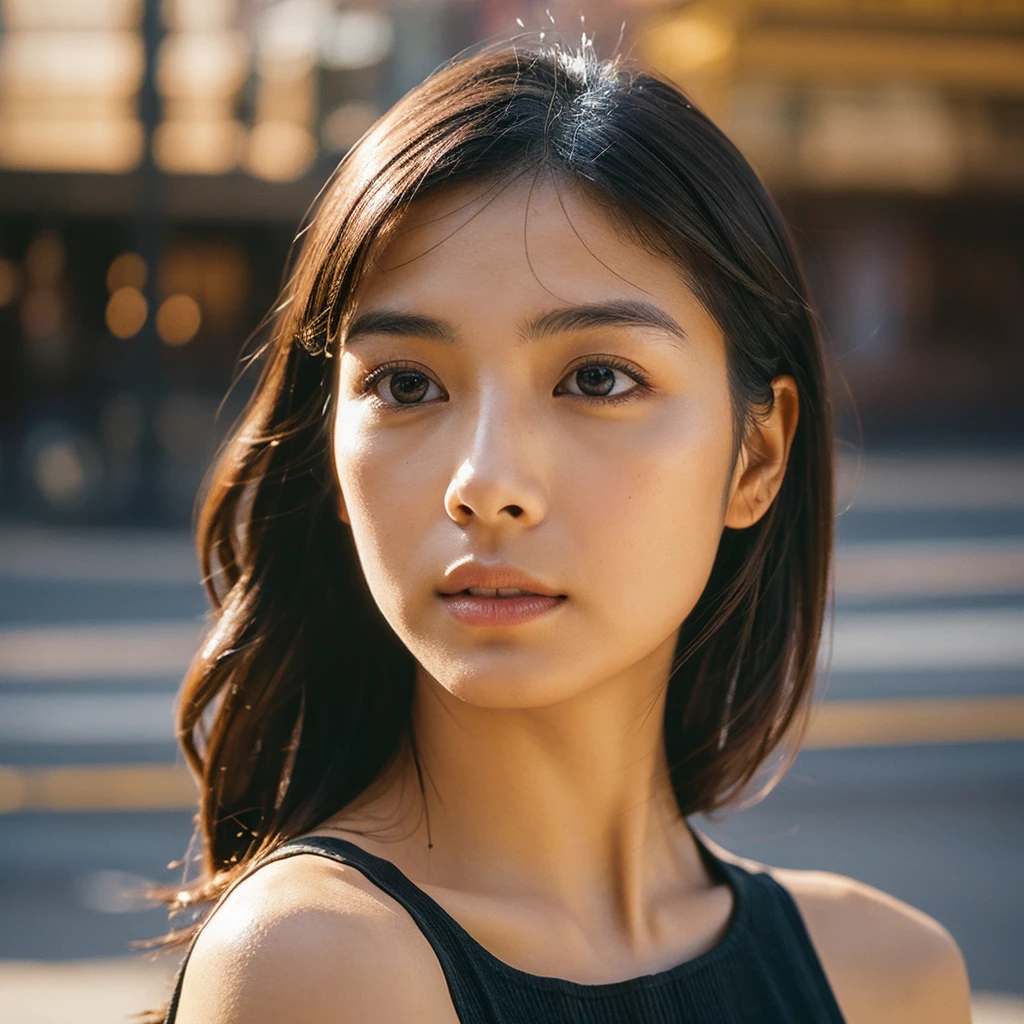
(598, 380)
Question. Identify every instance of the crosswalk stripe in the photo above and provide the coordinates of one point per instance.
(890, 641)
(894, 482)
(112, 651)
(882, 723)
(839, 724)
(87, 718)
(122, 787)
(936, 640)
(926, 568)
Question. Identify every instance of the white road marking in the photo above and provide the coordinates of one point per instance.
(836, 724)
(98, 556)
(990, 638)
(888, 482)
(86, 718)
(929, 568)
(892, 641)
(111, 651)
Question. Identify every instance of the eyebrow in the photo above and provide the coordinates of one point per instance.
(618, 313)
(390, 321)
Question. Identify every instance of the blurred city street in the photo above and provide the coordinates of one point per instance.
(914, 784)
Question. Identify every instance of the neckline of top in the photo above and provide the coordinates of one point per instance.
(729, 874)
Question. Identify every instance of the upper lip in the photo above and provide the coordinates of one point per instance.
(476, 574)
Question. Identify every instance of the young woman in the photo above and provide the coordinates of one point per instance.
(519, 557)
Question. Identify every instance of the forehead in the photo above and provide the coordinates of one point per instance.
(517, 248)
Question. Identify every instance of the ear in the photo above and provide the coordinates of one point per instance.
(761, 463)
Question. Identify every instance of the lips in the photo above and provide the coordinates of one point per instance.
(493, 581)
(497, 596)
(497, 592)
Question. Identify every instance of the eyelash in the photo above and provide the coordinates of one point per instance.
(642, 383)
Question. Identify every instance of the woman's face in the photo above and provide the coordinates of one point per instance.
(524, 387)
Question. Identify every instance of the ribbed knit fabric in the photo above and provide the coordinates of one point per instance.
(763, 971)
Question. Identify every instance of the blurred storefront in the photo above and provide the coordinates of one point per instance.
(156, 157)
(892, 132)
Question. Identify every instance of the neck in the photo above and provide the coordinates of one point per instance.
(570, 803)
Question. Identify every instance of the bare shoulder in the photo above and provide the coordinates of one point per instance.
(306, 940)
(886, 960)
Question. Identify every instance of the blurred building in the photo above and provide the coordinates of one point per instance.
(156, 157)
(892, 132)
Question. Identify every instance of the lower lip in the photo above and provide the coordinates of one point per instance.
(499, 611)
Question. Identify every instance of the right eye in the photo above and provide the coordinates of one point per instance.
(402, 385)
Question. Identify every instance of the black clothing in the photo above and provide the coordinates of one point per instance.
(763, 971)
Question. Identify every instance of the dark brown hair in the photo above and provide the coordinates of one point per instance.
(301, 694)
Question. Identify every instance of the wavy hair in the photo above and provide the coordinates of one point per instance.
(301, 693)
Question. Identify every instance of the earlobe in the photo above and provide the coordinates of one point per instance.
(761, 464)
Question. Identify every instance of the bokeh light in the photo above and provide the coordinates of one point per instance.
(63, 464)
(59, 472)
(280, 151)
(178, 319)
(126, 312)
(198, 145)
(128, 270)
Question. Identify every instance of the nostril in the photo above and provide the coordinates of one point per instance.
(515, 511)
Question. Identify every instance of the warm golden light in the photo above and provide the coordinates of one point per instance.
(280, 151)
(70, 14)
(106, 146)
(215, 274)
(198, 15)
(198, 146)
(691, 42)
(128, 270)
(202, 64)
(178, 320)
(78, 64)
(126, 312)
(70, 71)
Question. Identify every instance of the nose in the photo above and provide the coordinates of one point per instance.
(499, 477)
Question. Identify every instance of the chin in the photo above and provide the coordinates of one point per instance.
(509, 687)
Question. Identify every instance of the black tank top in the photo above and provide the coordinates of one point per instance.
(763, 971)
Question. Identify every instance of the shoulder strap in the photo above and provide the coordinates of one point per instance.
(782, 940)
(445, 935)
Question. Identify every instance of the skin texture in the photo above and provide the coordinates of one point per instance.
(555, 837)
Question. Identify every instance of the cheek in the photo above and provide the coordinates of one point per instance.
(384, 484)
(652, 499)
(382, 470)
